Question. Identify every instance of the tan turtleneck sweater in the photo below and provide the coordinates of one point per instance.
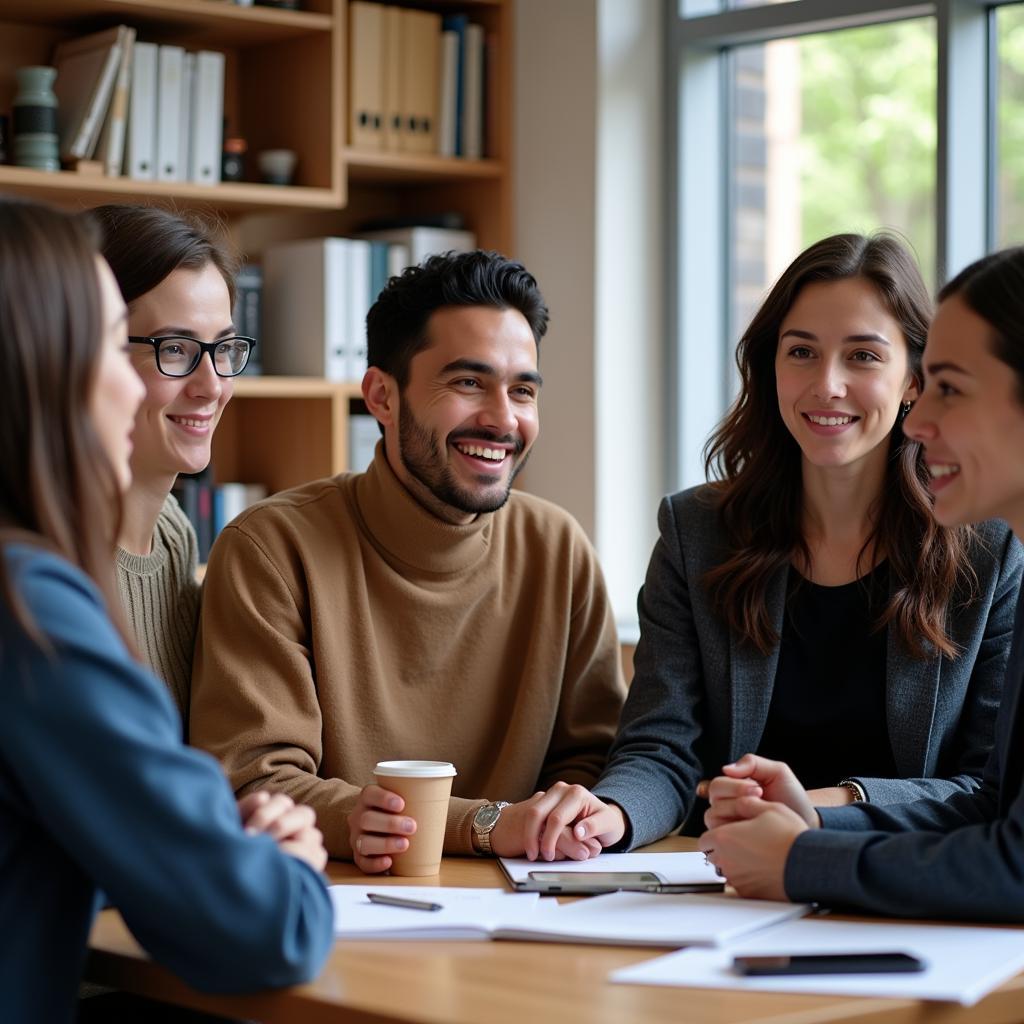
(343, 625)
(160, 595)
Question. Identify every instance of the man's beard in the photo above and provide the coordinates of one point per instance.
(424, 458)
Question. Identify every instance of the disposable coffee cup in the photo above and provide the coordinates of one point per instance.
(425, 786)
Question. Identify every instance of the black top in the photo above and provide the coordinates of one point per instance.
(827, 714)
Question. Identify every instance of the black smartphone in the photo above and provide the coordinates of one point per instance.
(828, 963)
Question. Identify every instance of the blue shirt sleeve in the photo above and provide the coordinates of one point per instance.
(92, 742)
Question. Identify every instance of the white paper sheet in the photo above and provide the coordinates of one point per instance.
(651, 919)
(465, 913)
(673, 868)
(962, 964)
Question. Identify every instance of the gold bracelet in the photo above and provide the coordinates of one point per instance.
(859, 796)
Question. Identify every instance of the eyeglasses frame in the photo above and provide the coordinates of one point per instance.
(205, 347)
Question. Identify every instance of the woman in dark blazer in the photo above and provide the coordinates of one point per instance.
(962, 857)
(805, 605)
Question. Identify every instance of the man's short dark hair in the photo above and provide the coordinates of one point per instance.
(396, 326)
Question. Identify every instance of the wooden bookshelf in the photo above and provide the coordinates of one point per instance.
(285, 86)
(84, 190)
(283, 431)
(209, 23)
(401, 168)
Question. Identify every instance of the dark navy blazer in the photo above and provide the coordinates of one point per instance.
(961, 858)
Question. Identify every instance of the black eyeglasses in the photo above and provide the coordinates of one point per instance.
(178, 357)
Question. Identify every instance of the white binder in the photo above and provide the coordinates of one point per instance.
(140, 158)
(359, 300)
(207, 118)
(188, 79)
(305, 316)
(170, 68)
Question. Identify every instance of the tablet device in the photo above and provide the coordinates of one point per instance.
(614, 872)
(552, 882)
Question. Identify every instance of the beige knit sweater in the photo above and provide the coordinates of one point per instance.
(161, 598)
(343, 624)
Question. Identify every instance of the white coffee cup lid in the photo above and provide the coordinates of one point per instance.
(416, 769)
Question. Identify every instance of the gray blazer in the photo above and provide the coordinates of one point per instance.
(957, 858)
(700, 693)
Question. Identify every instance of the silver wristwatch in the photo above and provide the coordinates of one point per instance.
(483, 825)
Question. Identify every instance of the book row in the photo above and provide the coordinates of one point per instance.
(317, 292)
(147, 111)
(211, 507)
(420, 82)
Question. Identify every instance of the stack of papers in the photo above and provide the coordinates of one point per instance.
(961, 964)
(618, 919)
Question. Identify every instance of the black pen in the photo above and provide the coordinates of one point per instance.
(401, 901)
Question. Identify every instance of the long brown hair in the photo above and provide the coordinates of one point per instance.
(58, 489)
(756, 465)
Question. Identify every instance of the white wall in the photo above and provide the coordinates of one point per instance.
(590, 217)
(555, 148)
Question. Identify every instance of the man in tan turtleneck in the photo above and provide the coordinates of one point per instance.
(421, 609)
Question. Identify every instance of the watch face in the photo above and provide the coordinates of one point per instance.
(485, 818)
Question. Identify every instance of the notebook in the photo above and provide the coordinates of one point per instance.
(616, 919)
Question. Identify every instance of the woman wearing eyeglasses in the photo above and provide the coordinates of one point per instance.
(178, 282)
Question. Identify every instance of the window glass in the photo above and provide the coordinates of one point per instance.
(1010, 120)
(831, 132)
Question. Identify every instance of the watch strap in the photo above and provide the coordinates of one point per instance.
(482, 837)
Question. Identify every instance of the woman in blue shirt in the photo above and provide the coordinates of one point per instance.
(97, 792)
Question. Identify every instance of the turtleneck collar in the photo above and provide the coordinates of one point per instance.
(403, 527)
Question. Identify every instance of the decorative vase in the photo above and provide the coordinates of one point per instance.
(35, 119)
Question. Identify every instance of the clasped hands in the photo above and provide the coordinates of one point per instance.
(292, 826)
(758, 808)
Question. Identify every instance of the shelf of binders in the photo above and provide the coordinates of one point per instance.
(428, 89)
(273, 68)
(209, 23)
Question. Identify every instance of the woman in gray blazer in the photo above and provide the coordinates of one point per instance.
(962, 857)
(805, 605)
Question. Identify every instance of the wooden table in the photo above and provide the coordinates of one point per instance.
(506, 982)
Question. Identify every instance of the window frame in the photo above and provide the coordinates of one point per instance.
(699, 36)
